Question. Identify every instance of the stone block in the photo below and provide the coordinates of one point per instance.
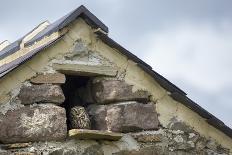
(25, 153)
(49, 78)
(124, 117)
(94, 134)
(85, 69)
(45, 93)
(152, 150)
(44, 122)
(109, 91)
(15, 146)
(97, 115)
(148, 137)
(79, 119)
(93, 150)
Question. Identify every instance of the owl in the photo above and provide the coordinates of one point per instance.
(79, 118)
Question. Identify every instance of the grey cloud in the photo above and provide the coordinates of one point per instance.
(218, 103)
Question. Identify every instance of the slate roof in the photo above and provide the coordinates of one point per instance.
(82, 12)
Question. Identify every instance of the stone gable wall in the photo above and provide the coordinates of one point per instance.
(111, 118)
(49, 108)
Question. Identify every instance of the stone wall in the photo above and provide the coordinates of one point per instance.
(102, 116)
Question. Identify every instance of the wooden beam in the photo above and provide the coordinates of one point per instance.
(85, 70)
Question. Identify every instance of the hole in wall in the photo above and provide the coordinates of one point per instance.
(72, 86)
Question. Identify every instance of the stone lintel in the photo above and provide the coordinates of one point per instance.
(94, 134)
(85, 70)
(49, 78)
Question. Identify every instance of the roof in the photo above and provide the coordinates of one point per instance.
(82, 12)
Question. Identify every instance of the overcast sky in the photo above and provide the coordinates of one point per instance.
(187, 41)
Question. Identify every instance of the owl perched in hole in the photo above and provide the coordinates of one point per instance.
(79, 118)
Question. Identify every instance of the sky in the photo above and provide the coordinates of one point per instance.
(187, 41)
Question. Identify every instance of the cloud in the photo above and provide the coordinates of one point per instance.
(217, 103)
(199, 53)
(197, 57)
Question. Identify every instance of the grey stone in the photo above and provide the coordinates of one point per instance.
(63, 152)
(222, 150)
(178, 125)
(127, 142)
(45, 93)
(25, 153)
(93, 150)
(153, 150)
(69, 152)
(97, 115)
(79, 118)
(56, 152)
(147, 137)
(201, 144)
(193, 137)
(124, 117)
(183, 146)
(15, 146)
(4, 152)
(44, 122)
(108, 91)
(211, 144)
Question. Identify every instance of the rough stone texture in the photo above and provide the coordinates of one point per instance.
(78, 147)
(147, 137)
(43, 122)
(177, 125)
(15, 146)
(127, 142)
(127, 145)
(13, 105)
(144, 151)
(49, 78)
(94, 150)
(25, 153)
(177, 142)
(45, 93)
(81, 53)
(85, 69)
(124, 117)
(108, 91)
(94, 134)
(79, 118)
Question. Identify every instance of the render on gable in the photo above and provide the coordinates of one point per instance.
(67, 88)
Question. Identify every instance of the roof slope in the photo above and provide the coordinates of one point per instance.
(82, 12)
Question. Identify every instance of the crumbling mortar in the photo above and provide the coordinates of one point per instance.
(121, 75)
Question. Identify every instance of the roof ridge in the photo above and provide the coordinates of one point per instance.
(34, 32)
(4, 44)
